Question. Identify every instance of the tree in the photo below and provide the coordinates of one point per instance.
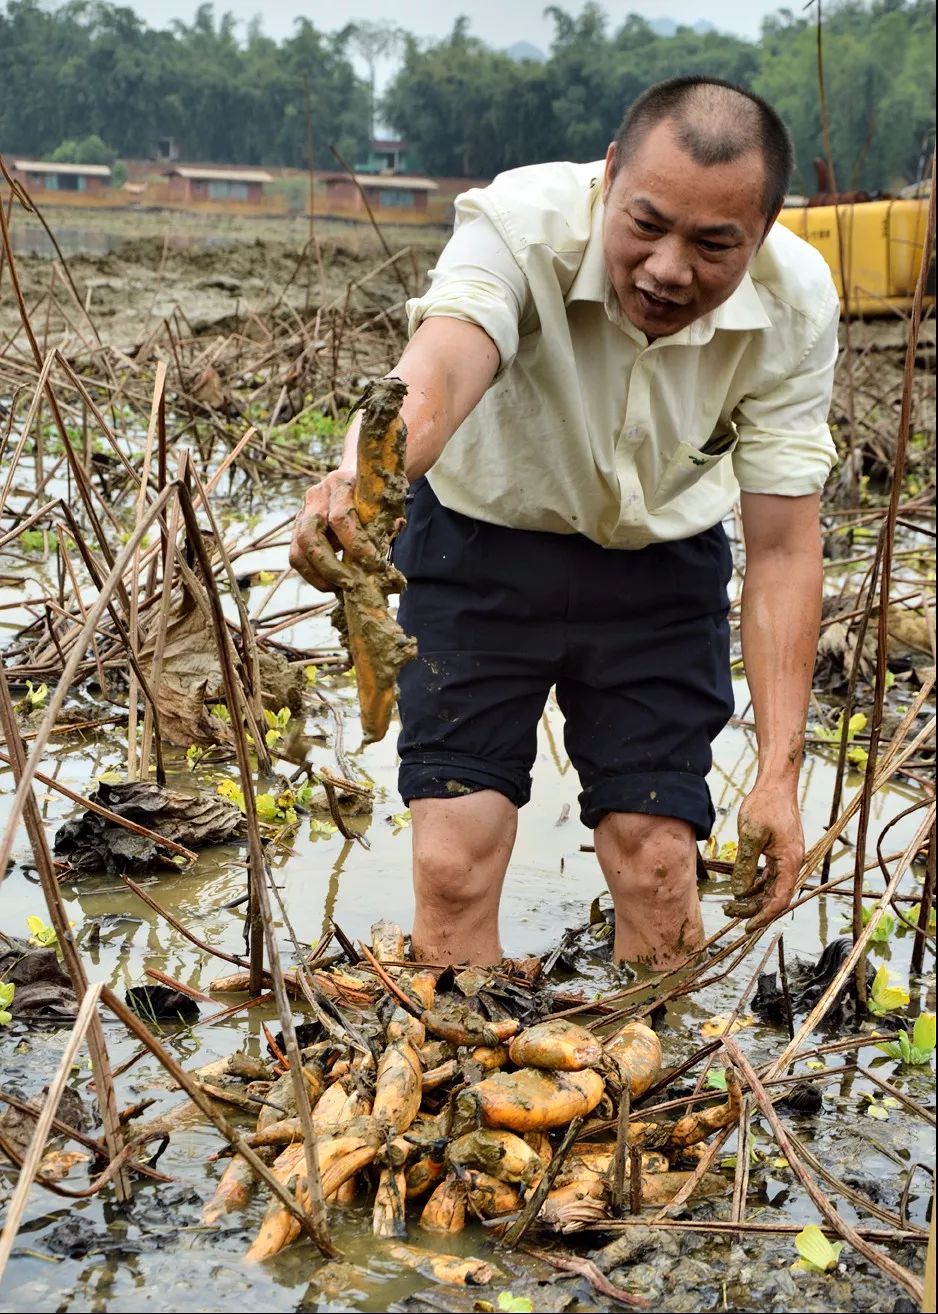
(91, 68)
(90, 150)
(373, 41)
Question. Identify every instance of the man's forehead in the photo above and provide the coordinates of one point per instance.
(667, 179)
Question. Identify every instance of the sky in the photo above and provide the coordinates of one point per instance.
(495, 21)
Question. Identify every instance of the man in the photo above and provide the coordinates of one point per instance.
(608, 357)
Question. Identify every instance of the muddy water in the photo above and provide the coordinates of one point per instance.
(89, 1255)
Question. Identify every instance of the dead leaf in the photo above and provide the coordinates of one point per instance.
(190, 677)
(209, 391)
(56, 1164)
(42, 984)
(158, 1003)
(195, 819)
(907, 631)
(18, 1127)
(718, 1024)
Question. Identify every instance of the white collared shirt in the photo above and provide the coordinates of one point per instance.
(589, 428)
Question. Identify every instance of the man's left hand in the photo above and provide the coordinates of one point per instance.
(770, 828)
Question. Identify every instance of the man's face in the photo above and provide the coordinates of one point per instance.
(678, 236)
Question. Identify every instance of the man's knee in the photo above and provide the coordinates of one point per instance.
(646, 855)
(461, 852)
(445, 877)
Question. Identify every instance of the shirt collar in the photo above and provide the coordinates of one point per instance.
(741, 311)
(591, 280)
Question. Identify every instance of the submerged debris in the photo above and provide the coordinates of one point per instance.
(43, 989)
(807, 981)
(194, 819)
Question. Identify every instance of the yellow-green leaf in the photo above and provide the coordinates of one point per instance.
(267, 809)
(885, 997)
(41, 932)
(817, 1253)
(923, 1033)
(232, 792)
(855, 725)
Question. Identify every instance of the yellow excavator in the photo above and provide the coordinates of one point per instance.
(873, 244)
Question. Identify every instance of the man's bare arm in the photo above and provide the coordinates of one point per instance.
(447, 366)
(781, 614)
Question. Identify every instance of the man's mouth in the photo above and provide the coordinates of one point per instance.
(656, 304)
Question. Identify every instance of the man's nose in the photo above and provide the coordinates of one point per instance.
(669, 265)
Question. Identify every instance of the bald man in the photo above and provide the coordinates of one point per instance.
(609, 357)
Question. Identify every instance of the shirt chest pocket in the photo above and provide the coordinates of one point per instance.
(687, 464)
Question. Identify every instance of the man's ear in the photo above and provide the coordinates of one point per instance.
(770, 224)
(609, 172)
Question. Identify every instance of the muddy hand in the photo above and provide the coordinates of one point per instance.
(769, 828)
(329, 524)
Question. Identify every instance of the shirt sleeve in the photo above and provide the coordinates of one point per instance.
(476, 279)
(785, 445)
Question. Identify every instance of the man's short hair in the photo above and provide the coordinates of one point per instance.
(715, 122)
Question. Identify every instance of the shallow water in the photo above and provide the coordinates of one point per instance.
(90, 1255)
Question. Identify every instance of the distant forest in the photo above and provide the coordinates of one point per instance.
(91, 68)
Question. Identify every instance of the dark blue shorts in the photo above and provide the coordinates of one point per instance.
(636, 643)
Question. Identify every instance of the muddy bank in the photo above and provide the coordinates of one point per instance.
(132, 272)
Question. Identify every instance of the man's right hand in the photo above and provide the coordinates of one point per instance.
(327, 524)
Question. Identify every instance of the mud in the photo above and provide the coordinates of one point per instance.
(132, 272)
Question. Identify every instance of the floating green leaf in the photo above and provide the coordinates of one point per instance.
(233, 792)
(41, 933)
(514, 1304)
(33, 698)
(716, 1079)
(885, 997)
(878, 1106)
(7, 991)
(884, 928)
(32, 540)
(818, 1255)
(267, 809)
(855, 725)
(924, 1033)
(918, 1050)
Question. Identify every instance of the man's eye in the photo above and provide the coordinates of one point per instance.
(713, 248)
(644, 226)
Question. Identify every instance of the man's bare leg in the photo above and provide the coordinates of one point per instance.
(461, 850)
(650, 867)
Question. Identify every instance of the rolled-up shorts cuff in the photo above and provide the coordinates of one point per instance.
(448, 775)
(654, 793)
